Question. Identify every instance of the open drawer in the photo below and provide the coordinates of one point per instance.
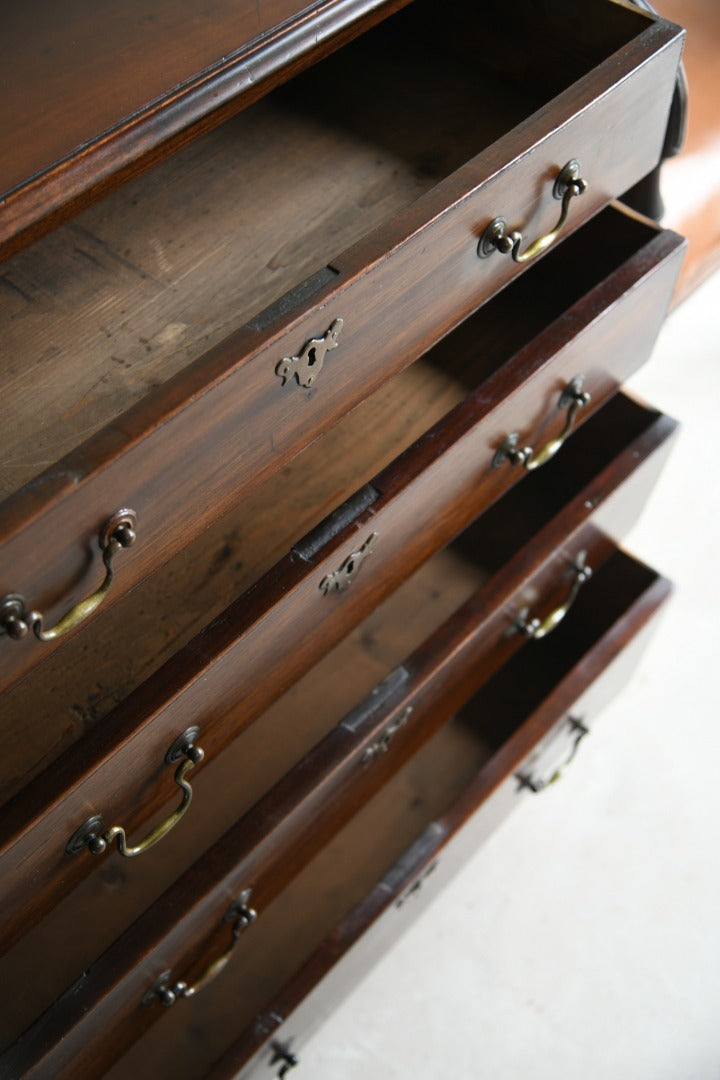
(522, 553)
(509, 714)
(316, 844)
(144, 369)
(536, 338)
(418, 460)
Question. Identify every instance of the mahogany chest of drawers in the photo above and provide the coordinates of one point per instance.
(315, 464)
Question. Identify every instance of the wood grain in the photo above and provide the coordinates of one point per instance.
(93, 776)
(609, 596)
(114, 304)
(634, 268)
(245, 771)
(365, 934)
(498, 545)
(80, 127)
(224, 409)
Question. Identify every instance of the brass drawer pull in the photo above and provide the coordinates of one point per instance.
(540, 628)
(169, 992)
(572, 398)
(568, 184)
(528, 781)
(15, 619)
(90, 834)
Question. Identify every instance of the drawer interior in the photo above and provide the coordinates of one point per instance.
(227, 785)
(78, 686)
(189, 1040)
(101, 312)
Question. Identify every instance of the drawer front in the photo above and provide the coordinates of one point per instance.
(605, 334)
(308, 998)
(308, 806)
(182, 456)
(124, 772)
(471, 765)
(507, 369)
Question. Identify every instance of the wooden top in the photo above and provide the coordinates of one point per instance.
(86, 99)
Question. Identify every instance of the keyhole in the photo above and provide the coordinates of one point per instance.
(312, 356)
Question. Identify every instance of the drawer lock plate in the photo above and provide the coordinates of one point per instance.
(308, 363)
(342, 578)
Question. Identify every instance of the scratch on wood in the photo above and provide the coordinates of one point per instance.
(16, 289)
(71, 475)
(88, 256)
(101, 245)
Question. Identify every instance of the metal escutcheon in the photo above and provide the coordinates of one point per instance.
(342, 578)
(308, 363)
(16, 620)
(383, 741)
(90, 834)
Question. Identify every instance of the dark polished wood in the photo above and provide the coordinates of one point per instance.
(70, 1040)
(77, 127)
(421, 265)
(277, 178)
(367, 932)
(498, 544)
(573, 315)
(255, 650)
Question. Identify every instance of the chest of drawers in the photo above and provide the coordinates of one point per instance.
(315, 464)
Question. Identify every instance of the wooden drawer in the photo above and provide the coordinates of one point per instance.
(225, 679)
(503, 371)
(535, 339)
(519, 555)
(137, 358)
(285, 851)
(514, 715)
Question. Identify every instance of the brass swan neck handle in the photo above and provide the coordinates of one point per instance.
(91, 835)
(568, 184)
(16, 620)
